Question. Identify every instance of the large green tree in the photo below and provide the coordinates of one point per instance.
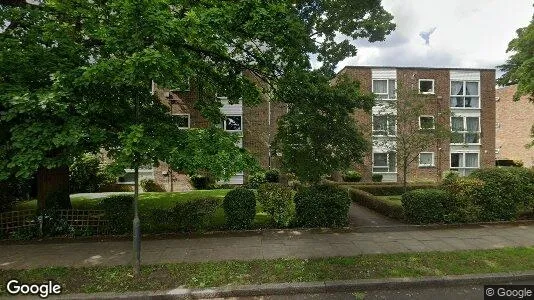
(76, 74)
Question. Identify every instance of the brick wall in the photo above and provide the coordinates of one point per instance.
(514, 122)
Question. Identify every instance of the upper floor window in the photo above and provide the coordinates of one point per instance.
(385, 89)
(233, 123)
(466, 130)
(184, 120)
(465, 94)
(384, 125)
(426, 86)
(426, 122)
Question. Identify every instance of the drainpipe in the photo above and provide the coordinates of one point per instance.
(269, 131)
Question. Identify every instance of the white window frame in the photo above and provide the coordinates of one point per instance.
(427, 116)
(387, 86)
(387, 125)
(387, 163)
(432, 164)
(240, 125)
(433, 87)
(188, 120)
(465, 132)
(464, 82)
(463, 169)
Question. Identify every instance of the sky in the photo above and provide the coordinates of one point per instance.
(452, 33)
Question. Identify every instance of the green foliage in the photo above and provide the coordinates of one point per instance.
(519, 68)
(58, 199)
(272, 175)
(506, 191)
(318, 135)
(149, 185)
(255, 180)
(377, 177)
(200, 182)
(12, 190)
(464, 193)
(370, 201)
(118, 211)
(352, 176)
(425, 206)
(194, 215)
(322, 206)
(87, 175)
(240, 208)
(277, 201)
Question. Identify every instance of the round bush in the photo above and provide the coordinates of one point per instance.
(352, 176)
(255, 180)
(239, 208)
(322, 206)
(506, 191)
(277, 201)
(464, 192)
(118, 210)
(424, 206)
(377, 177)
(272, 175)
(149, 185)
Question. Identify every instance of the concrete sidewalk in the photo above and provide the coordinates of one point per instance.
(265, 245)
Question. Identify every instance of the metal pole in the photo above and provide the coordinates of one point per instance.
(136, 223)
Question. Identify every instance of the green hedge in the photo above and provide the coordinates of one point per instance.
(425, 206)
(391, 189)
(240, 208)
(118, 211)
(277, 201)
(370, 201)
(322, 206)
(464, 193)
(352, 176)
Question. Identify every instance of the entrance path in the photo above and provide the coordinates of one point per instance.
(264, 245)
(363, 216)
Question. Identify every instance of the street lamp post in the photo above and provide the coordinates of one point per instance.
(136, 222)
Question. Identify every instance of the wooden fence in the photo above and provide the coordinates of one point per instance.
(93, 221)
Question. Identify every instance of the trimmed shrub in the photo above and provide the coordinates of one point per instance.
(377, 177)
(149, 185)
(200, 182)
(370, 201)
(424, 206)
(352, 176)
(255, 180)
(464, 192)
(195, 214)
(506, 191)
(118, 210)
(240, 208)
(322, 206)
(272, 175)
(277, 201)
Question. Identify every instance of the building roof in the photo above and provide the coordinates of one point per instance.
(428, 68)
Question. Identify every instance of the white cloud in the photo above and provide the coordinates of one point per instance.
(472, 33)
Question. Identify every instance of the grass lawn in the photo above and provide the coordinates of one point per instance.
(394, 199)
(164, 200)
(211, 274)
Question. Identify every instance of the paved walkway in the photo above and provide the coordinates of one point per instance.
(363, 216)
(265, 245)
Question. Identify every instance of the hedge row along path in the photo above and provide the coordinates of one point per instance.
(264, 245)
(362, 216)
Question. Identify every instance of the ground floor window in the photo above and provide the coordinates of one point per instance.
(426, 159)
(465, 162)
(385, 162)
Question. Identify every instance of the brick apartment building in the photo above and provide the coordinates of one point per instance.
(468, 93)
(461, 99)
(514, 122)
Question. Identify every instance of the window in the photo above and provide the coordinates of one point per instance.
(466, 130)
(184, 120)
(384, 89)
(384, 125)
(426, 122)
(465, 94)
(233, 123)
(385, 162)
(426, 159)
(426, 86)
(464, 162)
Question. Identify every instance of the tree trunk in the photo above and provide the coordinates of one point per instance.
(51, 181)
(404, 171)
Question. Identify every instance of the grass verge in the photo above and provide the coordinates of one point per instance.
(210, 274)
